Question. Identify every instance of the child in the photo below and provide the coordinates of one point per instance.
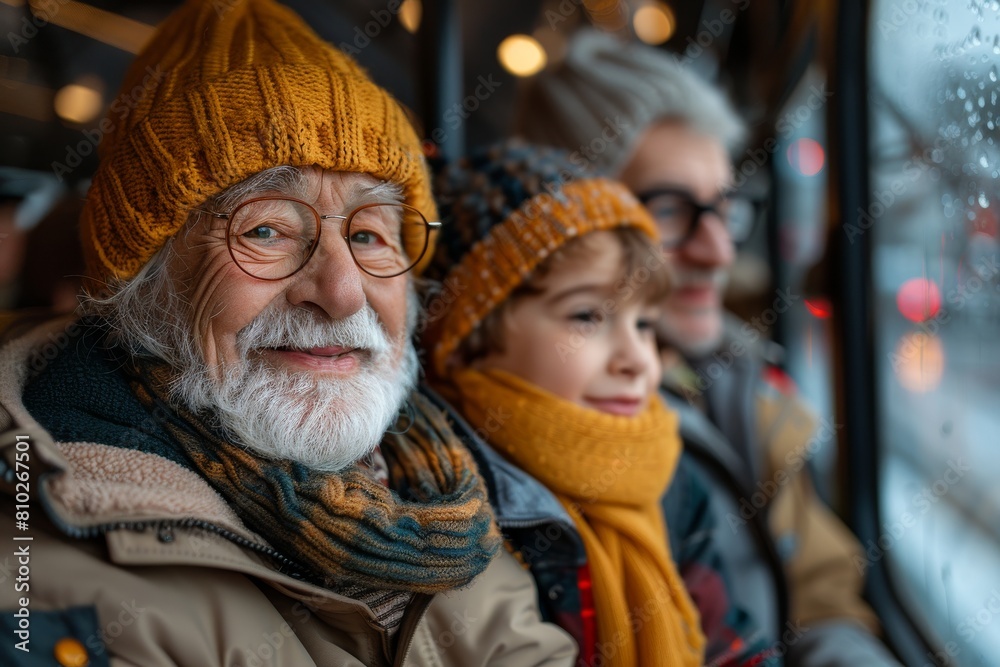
(542, 337)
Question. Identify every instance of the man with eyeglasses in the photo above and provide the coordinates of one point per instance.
(793, 564)
(226, 461)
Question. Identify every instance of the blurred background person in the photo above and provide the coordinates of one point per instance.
(670, 137)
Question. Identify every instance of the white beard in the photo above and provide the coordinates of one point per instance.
(322, 422)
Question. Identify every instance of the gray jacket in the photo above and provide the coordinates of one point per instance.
(791, 559)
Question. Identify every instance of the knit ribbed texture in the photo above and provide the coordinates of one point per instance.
(432, 531)
(227, 92)
(609, 472)
(507, 209)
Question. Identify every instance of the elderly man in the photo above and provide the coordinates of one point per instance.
(668, 136)
(224, 462)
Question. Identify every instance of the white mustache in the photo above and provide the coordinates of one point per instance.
(278, 326)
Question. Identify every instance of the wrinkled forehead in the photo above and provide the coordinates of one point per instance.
(353, 187)
(326, 188)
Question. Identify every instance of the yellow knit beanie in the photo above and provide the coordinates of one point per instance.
(222, 92)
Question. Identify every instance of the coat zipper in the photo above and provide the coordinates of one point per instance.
(408, 628)
(165, 528)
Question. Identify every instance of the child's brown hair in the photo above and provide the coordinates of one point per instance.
(644, 277)
(511, 213)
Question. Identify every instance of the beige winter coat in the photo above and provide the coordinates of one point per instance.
(171, 595)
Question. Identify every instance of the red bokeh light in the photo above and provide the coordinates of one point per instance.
(919, 299)
(819, 307)
(806, 156)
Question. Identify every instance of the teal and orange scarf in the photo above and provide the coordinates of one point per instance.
(431, 530)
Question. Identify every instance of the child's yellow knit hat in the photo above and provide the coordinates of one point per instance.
(507, 208)
(222, 92)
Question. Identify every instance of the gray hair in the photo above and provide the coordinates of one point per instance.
(601, 98)
(146, 314)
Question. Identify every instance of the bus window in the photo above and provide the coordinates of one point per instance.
(934, 163)
(801, 170)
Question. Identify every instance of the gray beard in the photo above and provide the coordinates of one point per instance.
(324, 423)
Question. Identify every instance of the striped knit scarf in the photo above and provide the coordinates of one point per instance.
(432, 531)
(609, 472)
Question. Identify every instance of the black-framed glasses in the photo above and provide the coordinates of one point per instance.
(677, 214)
(272, 238)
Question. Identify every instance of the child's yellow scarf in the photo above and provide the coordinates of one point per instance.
(609, 472)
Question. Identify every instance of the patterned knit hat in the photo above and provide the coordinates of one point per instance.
(506, 209)
(599, 100)
(222, 92)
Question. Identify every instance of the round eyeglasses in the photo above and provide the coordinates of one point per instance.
(677, 214)
(272, 238)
